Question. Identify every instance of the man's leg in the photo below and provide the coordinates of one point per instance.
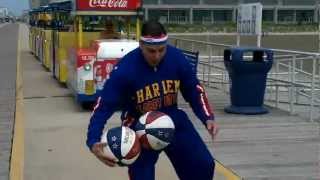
(188, 153)
(144, 167)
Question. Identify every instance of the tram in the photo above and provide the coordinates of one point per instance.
(62, 39)
(45, 37)
(103, 35)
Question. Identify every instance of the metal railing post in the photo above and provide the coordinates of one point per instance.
(209, 62)
(292, 83)
(298, 88)
(192, 46)
(289, 75)
(299, 67)
(277, 86)
(176, 42)
(314, 69)
(203, 71)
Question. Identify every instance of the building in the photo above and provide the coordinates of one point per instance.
(37, 3)
(4, 12)
(221, 11)
(216, 11)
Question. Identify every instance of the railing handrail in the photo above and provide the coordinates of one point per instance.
(204, 42)
(228, 45)
(302, 85)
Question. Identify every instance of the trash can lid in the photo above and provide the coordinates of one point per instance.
(248, 49)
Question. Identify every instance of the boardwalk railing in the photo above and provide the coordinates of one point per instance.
(293, 83)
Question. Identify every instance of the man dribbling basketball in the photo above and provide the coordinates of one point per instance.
(149, 79)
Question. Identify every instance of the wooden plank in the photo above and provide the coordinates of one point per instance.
(276, 145)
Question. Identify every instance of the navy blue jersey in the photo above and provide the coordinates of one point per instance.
(137, 87)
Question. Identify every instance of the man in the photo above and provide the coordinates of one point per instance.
(148, 79)
(109, 32)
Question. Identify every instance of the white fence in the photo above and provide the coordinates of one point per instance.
(293, 83)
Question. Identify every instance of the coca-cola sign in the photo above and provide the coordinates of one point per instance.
(100, 5)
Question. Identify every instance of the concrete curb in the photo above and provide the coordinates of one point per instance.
(17, 154)
(226, 172)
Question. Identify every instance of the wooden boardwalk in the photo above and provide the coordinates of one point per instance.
(271, 146)
(274, 146)
(8, 64)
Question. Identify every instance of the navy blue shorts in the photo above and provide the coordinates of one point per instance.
(187, 152)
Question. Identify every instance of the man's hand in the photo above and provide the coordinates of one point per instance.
(97, 150)
(212, 128)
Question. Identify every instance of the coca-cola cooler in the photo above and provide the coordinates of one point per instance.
(109, 52)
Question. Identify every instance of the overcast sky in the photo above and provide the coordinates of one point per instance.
(15, 6)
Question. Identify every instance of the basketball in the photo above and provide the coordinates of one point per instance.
(155, 130)
(122, 145)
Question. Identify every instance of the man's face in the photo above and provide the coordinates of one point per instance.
(153, 53)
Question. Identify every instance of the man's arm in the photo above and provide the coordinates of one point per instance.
(194, 93)
(111, 98)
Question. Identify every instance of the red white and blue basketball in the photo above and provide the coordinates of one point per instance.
(155, 130)
(122, 145)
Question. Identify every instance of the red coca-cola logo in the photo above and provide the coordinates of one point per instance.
(105, 5)
(108, 3)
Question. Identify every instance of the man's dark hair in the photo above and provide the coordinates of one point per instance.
(152, 28)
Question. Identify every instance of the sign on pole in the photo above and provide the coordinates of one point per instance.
(249, 21)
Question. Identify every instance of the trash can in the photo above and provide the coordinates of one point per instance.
(248, 69)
